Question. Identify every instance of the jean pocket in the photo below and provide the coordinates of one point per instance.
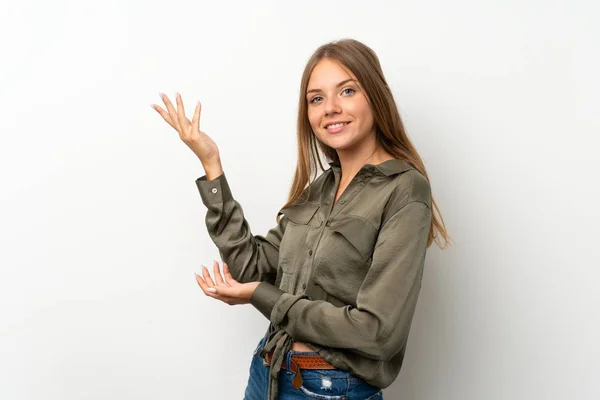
(324, 384)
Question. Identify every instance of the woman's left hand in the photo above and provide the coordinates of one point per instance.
(226, 289)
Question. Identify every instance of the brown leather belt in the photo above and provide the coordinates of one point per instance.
(298, 362)
(304, 361)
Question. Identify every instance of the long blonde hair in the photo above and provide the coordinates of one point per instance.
(390, 132)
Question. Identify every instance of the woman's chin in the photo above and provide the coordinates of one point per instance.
(339, 145)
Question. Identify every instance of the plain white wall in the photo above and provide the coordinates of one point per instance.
(102, 228)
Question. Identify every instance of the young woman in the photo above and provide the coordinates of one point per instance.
(339, 275)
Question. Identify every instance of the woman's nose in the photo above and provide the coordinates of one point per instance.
(332, 105)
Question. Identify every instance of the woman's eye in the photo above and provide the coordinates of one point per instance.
(352, 91)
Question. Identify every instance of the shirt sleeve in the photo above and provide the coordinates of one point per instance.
(378, 326)
(250, 258)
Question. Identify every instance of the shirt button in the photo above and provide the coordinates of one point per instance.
(342, 201)
(304, 286)
(310, 252)
(214, 190)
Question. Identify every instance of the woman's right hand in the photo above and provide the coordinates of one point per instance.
(189, 131)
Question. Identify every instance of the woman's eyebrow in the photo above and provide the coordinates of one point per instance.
(338, 85)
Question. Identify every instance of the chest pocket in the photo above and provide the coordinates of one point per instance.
(346, 254)
(352, 236)
(360, 235)
(302, 218)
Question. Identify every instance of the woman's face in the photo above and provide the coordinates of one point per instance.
(334, 95)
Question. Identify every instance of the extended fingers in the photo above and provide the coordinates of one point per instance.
(228, 278)
(172, 111)
(183, 121)
(217, 273)
(220, 296)
(204, 286)
(207, 276)
(164, 115)
(196, 117)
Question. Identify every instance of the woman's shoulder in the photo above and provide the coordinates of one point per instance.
(410, 186)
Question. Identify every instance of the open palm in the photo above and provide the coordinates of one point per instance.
(189, 131)
(224, 287)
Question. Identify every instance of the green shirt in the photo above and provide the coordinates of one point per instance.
(343, 277)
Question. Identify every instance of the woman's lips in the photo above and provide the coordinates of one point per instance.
(338, 129)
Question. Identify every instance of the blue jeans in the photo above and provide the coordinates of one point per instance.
(325, 384)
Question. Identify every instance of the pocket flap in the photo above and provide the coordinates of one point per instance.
(361, 234)
(300, 213)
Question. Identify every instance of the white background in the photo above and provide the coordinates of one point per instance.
(102, 227)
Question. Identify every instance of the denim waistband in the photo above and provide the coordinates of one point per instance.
(270, 329)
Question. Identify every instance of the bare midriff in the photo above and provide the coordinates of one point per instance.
(299, 346)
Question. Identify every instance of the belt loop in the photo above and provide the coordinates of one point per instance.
(288, 360)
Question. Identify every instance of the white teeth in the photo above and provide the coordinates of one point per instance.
(336, 125)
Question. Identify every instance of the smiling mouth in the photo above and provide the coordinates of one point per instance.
(336, 126)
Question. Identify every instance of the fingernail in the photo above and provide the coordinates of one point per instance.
(160, 95)
(212, 290)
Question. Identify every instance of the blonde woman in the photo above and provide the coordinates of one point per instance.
(338, 277)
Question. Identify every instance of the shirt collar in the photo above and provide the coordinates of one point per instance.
(388, 168)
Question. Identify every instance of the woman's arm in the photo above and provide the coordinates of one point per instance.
(249, 257)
